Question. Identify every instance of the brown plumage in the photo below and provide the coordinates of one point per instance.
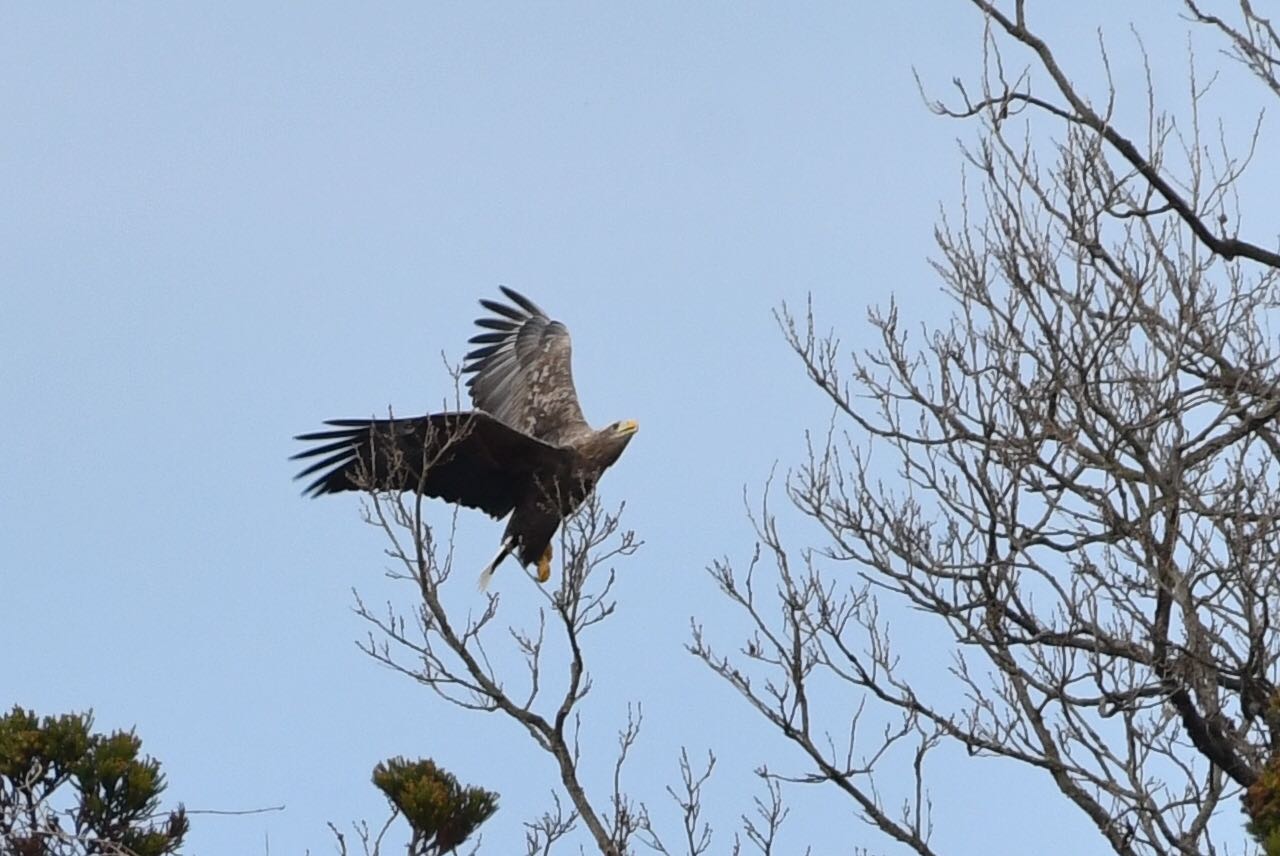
(525, 450)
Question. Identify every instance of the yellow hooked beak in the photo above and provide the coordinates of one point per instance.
(628, 426)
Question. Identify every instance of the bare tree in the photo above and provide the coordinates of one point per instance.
(1083, 490)
(453, 658)
(458, 662)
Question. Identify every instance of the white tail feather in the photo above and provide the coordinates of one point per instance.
(487, 573)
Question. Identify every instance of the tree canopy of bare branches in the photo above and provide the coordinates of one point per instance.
(1083, 480)
(541, 689)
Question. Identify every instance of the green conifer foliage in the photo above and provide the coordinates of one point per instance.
(441, 812)
(65, 790)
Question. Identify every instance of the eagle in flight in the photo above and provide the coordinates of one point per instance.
(524, 450)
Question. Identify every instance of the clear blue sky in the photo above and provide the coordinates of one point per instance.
(221, 224)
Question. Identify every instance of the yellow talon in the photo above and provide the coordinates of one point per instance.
(544, 565)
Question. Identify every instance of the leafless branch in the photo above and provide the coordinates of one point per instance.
(452, 658)
(1073, 482)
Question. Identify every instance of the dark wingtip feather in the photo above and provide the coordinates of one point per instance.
(481, 353)
(350, 423)
(317, 488)
(324, 435)
(488, 338)
(345, 431)
(503, 310)
(344, 442)
(522, 301)
(332, 461)
(497, 324)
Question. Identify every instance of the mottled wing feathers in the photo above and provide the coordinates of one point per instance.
(468, 458)
(522, 372)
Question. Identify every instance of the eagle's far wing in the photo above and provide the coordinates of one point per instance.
(467, 458)
(522, 373)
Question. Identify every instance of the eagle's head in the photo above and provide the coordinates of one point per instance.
(610, 441)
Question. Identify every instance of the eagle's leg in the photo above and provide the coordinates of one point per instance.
(544, 565)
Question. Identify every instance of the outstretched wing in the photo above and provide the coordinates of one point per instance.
(522, 372)
(468, 458)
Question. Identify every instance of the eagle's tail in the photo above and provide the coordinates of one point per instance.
(505, 550)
